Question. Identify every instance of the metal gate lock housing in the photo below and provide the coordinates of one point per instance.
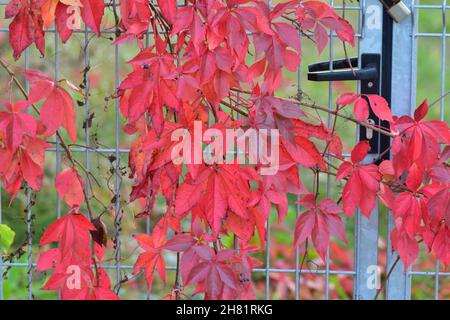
(398, 11)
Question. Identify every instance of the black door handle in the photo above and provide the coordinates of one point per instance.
(370, 73)
(337, 64)
(316, 71)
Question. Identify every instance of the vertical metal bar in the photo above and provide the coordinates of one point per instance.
(87, 109)
(58, 143)
(58, 146)
(29, 246)
(366, 233)
(297, 206)
(329, 120)
(443, 65)
(118, 217)
(402, 102)
(29, 215)
(414, 30)
(148, 222)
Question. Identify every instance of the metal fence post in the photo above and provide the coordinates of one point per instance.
(366, 235)
(398, 285)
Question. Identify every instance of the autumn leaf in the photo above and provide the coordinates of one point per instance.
(212, 273)
(318, 223)
(58, 109)
(16, 124)
(92, 13)
(69, 185)
(418, 140)
(363, 184)
(152, 259)
(26, 27)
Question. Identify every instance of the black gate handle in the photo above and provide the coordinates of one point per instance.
(316, 73)
(337, 64)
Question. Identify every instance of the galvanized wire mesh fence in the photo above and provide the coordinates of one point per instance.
(365, 249)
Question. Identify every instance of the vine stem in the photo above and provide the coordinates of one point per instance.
(333, 112)
(336, 113)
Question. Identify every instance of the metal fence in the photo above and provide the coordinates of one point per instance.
(368, 23)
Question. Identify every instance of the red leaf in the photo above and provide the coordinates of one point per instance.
(62, 22)
(361, 188)
(380, 107)
(360, 151)
(344, 170)
(418, 141)
(58, 111)
(92, 14)
(58, 108)
(213, 276)
(441, 244)
(304, 226)
(153, 245)
(16, 125)
(407, 247)
(347, 98)
(12, 8)
(318, 223)
(70, 187)
(48, 259)
(217, 189)
(26, 162)
(25, 29)
(178, 243)
(361, 109)
(321, 38)
(72, 233)
(421, 111)
(168, 9)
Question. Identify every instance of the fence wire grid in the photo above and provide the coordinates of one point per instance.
(399, 284)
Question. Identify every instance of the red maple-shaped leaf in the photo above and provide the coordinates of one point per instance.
(362, 186)
(153, 246)
(25, 163)
(216, 189)
(102, 290)
(406, 246)
(212, 274)
(58, 109)
(71, 260)
(26, 27)
(64, 14)
(318, 17)
(318, 223)
(168, 9)
(72, 233)
(436, 233)
(92, 14)
(362, 103)
(16, 124)
(418, 140)
(69, 185)
(439, 244)
(380, 107)
(410, 207)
